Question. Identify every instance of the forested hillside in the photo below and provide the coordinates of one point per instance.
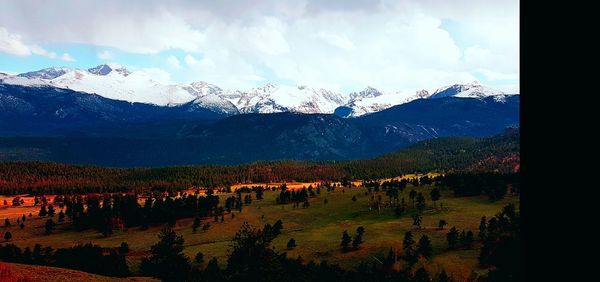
(443, 154)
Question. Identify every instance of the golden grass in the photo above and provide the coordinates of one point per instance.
(317, 229)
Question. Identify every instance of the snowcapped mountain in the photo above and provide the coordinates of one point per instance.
(371, 100)
(116, 82)
(272, 98)
(47, 73)
(472, 90)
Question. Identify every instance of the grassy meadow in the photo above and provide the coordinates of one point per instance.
(316, 229)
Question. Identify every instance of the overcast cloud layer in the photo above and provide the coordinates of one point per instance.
(391, 45)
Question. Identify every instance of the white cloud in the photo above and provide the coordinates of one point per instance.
(392, 45)
(67, 57)
(338, 40)
(173, 62)
(190, 60)
(105, 55)
(12, 44)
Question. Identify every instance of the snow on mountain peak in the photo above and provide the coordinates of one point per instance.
(116, 82)
(47, 73)
(368, 92)
(471, 90)
(105, 69)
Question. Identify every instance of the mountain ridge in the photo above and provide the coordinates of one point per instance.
(116, 82)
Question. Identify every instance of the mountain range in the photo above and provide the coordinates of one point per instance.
(46, 116)
(116, 82)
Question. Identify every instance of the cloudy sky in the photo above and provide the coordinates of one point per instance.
(344, 45)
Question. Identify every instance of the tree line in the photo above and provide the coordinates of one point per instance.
(88, 257)
(442, 154)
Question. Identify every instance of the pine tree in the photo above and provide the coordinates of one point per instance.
(358, 237)
(407, 246)
(443, 277)
(199, 258)
(424, 247)
(441, 224)
(421, 275)
(196, 224)
(49, 226)
(420, 201)
(346, 239)
(435, 195)
(43, 211)
(51, 211)
(417, 219)
(468, 239)
(212, 272)
(462, 238)
(452, 237)
(167, 261)
(124, 248)
(291, 244)
(482, 228)
(412, 196)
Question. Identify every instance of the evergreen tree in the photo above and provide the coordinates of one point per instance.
(452, 237)
(196, 224)
(167, 261)
(443, 277)
(412, 195)
(199, 258)
(49, 226)
(346, 239)
(358, 237)
(291, 244)
(51, 211)
(420, 201)
(468, 239)
(61, 216)
(43, 211)
(417, 219)
(462, 238)
(435, 195)
(408, 247)
(124, 248)
(424, 247)
(441, 224)
(482, 228)
(212, 272)
(421, 275)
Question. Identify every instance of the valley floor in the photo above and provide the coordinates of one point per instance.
(316, 229)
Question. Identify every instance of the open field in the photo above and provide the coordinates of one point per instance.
(316, 229)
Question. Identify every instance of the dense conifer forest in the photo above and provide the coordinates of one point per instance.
(494, 154)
